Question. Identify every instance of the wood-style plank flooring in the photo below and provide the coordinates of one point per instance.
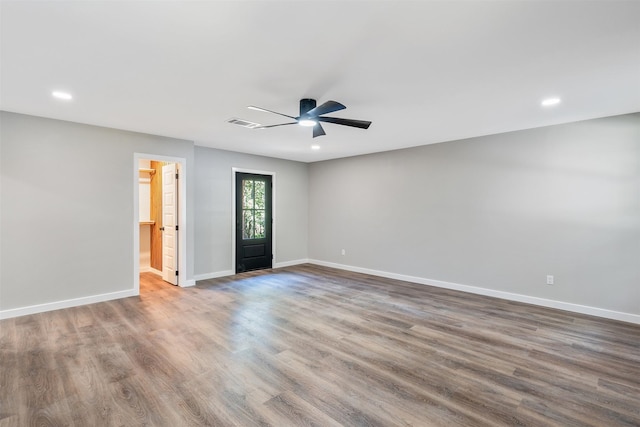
(313, 346)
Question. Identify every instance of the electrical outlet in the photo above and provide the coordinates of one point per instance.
(549, 280)
(344, 252)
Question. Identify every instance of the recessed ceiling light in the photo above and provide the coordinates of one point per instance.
(550, 101)
(307, 122)
(61, 95)
(315, 147)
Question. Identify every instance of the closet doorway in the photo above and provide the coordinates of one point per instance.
(160, 211)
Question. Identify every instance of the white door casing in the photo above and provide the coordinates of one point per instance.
(170, 223)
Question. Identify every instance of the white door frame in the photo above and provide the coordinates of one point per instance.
(182, 217)
(233, 212)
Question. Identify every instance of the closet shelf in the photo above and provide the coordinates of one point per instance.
(149, 171)
(147, 222)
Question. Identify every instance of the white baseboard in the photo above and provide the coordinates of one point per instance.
(41, 308)
(225, 273)
(576, 308)
(290, 263)
(213, 275)
(150, 270)
(187, 283)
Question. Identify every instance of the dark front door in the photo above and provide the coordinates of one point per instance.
(253, 222)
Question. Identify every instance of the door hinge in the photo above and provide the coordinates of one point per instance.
(176, 228)
(177, 175)
(176, 272)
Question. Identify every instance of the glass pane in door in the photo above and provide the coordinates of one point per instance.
(253, 209)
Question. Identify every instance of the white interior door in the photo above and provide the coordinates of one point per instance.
(170, 223)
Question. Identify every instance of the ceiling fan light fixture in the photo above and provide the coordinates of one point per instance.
(307, 122)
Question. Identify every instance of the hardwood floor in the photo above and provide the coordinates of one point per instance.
(313, 346)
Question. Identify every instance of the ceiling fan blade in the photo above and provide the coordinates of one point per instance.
(273, 126)
(327, 107)
(362, 124)
(253, 107)
(318, 130)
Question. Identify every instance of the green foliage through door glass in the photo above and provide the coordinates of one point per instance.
(253, 209)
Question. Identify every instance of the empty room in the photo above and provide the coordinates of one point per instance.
(319, 213)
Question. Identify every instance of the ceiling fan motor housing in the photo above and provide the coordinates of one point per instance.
(306, 105)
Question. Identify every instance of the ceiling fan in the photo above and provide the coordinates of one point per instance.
(311, 116)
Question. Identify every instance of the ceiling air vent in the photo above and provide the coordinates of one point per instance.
(243, 123)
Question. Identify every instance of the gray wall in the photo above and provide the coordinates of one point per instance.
(67, 208)
(213, 190)
(498, 212)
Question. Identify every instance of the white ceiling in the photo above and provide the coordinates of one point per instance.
(422, 71)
